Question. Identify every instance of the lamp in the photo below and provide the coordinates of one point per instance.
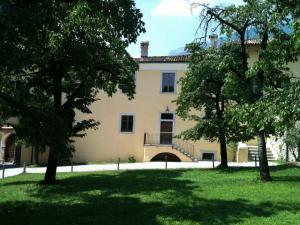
(167, 109)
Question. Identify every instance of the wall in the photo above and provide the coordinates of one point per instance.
(151, 151)
(108, 144)
(26, 154)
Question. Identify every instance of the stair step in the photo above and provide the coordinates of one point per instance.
(184, 152)
(253, 152)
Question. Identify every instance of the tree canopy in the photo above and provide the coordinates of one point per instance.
(59, 55)
(205, 97)
(259, 78)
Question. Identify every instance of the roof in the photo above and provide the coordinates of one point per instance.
(164, 59)
(179, 58)
(252, 42)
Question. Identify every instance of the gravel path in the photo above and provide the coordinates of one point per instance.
(126, 166)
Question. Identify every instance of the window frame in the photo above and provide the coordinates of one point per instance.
(167, 120)
(133, 123)
(161, 82)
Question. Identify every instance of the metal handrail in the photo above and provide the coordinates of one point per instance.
(184, 145)
(177, 143)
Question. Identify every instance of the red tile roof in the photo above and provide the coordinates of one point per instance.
(164, 59)
(179, 58)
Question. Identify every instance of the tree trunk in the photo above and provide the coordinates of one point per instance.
(223, 150)
(50, 175)
(36, 156)
(262, 154)
(298, 157)
(31, 157)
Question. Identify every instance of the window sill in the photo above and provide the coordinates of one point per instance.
(126, 132)
(167, 92)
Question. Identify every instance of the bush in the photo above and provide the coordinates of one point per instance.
(131, 159)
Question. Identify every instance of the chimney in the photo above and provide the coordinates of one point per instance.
(213, 40)
(144, 48)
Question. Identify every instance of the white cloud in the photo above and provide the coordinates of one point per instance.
(183, 7)
(176, 7)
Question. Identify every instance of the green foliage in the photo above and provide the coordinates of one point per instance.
(292, 140)
(59, 58)
(265, 76)
(260, 78)
(206, 94)
(275, 112)
(131, 159)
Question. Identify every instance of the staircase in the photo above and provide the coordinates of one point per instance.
(185, 148)
(182, 146)
(253, 151)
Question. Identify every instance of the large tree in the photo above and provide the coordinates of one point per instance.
(275, 50)
(59, 55)
(205, 97)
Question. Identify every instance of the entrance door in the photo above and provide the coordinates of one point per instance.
(166, 128)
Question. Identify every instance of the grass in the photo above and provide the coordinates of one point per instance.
(156, 197)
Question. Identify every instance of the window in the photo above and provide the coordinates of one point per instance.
(127, 123)
(124, 87)
(166, 116)
(168, 83)
(208, 156)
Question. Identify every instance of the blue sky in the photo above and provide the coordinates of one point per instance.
(169, 24)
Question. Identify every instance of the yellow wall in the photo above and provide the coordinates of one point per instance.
(26, 154)
(108, 144)
(151, 151)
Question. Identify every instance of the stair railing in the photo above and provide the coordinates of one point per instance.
(184, 146)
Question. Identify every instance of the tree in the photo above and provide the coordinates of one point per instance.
(276, 49)
(204, 98)
(60, 57)
(292, 140)
(281, 109)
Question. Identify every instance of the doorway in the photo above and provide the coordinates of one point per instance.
(166, 128)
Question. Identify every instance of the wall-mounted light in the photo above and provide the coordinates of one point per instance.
(167, 109)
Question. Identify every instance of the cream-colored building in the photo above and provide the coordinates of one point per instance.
(143, 128)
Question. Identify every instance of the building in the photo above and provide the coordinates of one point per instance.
(144, 128)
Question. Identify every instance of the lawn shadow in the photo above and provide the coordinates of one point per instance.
(131, 210)
(247, 169)
(123, 183)
(131, 197)
(286, 178)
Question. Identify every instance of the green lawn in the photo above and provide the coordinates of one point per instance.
(235, 196)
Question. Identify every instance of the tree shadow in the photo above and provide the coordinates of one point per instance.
(124, 183)
(286, 178)
(131, 210)
(131, 197)
(276, 168)
(20, 182)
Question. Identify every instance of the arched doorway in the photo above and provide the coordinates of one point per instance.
(10, 148)
(8, 151)
(161, 157)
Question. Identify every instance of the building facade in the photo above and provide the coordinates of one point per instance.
(144, 128)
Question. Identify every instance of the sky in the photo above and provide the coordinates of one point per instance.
(170, 24)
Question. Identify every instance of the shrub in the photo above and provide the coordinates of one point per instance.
(131, 159)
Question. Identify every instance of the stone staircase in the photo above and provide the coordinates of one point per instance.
(253, 151)
(185, 148)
